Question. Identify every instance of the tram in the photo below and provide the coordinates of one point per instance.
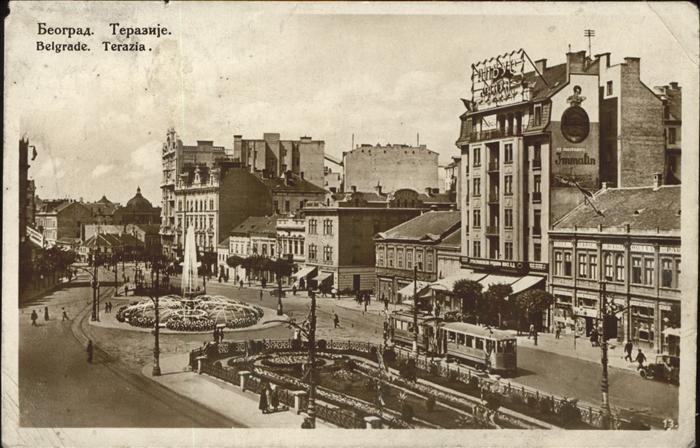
(483, 347)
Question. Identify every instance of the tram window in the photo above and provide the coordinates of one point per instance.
(460, 339)
(508, 346)
(410, 327)
(479, 343)
(499, 347)
(451, 336)
(470, 341)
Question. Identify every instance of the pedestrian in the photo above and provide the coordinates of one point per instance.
(126, 290)
(110, 307)
(336, 320)
(65, 315)
(262, 404)
(46, 313)
(261, 294)
(294, 289)
(240, 284)
(628, 351)
(386, 303)
(532, 331)
(557, 332)
(297, 334)
(365, 307)
(216, 334)
(89, 351)
(640, 358)
(221, 335)
(263, 282)
(106, 307)
(274, 398)
(34, 317)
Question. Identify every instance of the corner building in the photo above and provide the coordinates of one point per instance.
(532, 134)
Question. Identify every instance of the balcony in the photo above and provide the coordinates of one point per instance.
(493, 166)
(492, 230)
(537, 163)
(493, 198)
(492, 134)
(537, 197)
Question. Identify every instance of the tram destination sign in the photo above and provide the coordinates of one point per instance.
(499, 80)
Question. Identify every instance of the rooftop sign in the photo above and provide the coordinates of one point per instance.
(499, 80)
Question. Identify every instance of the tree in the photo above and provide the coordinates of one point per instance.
(532, 303)
(496, 303)
(469, 293)
(282, 267)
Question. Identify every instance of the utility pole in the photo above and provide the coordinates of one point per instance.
(589, 34)
(156, 327)
(415, 309)
(312, 360)
(604, 358)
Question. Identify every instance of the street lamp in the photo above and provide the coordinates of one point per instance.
(607, 311)
(310, 333)
(154, 295)
(415, 308)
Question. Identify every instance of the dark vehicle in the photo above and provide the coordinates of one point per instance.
(665, 368)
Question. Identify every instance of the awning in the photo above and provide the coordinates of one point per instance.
(672, 332)
(493, 279)
(526, 282)
(407, 291)
(447, 283)
(304, 272)
(321, 277)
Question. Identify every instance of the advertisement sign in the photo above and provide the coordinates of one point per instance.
(498, 81)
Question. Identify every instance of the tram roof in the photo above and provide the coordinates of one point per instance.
(407, 315)
(477, 330)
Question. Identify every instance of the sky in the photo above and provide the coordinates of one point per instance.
(383, 72)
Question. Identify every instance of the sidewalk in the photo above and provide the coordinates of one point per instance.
(220, 396)
(565, 347)
(374, 307)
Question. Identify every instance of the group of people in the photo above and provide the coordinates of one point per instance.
(108, 307)
(363, 298)
(218, 335)
(269, 398)
(640, 359)
(35, 316)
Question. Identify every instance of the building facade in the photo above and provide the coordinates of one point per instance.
(62, 220)
(412, 244)
(138, 210)
(255, 236)
(633, 252)
(339, 239)
(291, 233)
(393, 167)
(535, 137)
(672, 97)
(214, 189)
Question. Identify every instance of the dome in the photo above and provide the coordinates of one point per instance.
(138, 202)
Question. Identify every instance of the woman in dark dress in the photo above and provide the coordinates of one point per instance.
(262, 405)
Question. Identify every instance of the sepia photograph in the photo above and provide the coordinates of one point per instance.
(349, 224)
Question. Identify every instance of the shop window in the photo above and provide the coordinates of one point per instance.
(637, 270)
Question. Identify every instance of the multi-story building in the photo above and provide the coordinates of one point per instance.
(632, 250)
(291, 232)
(411, 244)
(223, 252)
(255, 236)
(102, 210)
(448, 255)
(339, 237)
(533, 134)
(60, 221)
(215, 189)
(672, 97)
(394, 167)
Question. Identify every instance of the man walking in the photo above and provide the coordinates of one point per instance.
(46, 313)
(65, 315)
(640, 358)
(532, 331)
(336, 320)
(628, 351)
(34, 318)
(89, 351)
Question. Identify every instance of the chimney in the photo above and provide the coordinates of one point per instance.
(674, 85)
(353, 188)
(607, 58)
(658, 181)
(541, 65)
(633, 65)
(428, 191)
(575, 62)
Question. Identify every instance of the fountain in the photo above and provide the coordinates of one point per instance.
(192, 311)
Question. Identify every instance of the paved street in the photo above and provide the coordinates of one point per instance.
(53, 369)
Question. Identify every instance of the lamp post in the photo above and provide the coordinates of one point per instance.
(155, 296)
(606, 311)
(415, 308)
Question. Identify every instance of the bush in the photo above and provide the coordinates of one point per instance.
(430, 404)
(407, 412)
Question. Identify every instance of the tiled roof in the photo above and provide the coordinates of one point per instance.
(295, 184)
(112, 240)
(149, 228)
(641, 208)
(435, 198)
(224, 243)
(555, 77)
(256, 225)
(453, 240)
(430, 225)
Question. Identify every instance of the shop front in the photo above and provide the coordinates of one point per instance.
(563, 313)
